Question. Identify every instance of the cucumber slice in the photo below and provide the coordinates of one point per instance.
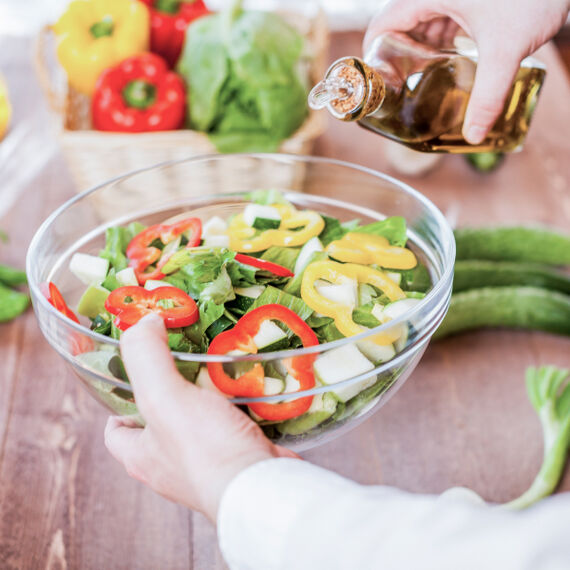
(313, 245)
(341, 364)
(394, 276)
(291, 384)
(376, 353)
(322, 408)
(126, 277)
(242, 304)
(273, 386)
(92, 302)
(397, 308)
(217, 241)
(88, 268)
(269, 334)
(204, 381)
(262, 217)
(345, 293)
(215, 226)
(156, 283)
(169, 249)
(252, 292)
(393, 311)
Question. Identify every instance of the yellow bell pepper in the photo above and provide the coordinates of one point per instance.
(370, 249)
(243, 238)
(5, 109)
(342, 314)
(93, 35)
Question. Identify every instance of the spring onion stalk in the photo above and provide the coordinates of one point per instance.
(548, 389)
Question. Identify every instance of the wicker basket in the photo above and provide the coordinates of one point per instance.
(94, 157)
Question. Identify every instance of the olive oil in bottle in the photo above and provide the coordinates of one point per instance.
(416, 94)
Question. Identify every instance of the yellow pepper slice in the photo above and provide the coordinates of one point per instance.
(342, 314)
(93, 35)
(243, 238)
(370, 249)
(5, 109)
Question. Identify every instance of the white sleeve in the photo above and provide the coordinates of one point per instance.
(284, 514)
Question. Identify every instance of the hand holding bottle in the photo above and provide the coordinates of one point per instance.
(505, 32)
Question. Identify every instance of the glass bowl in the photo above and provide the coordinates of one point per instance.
(216, 184)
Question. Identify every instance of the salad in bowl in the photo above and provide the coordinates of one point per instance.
(304, 310)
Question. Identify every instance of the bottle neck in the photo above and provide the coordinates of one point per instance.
(350, 90)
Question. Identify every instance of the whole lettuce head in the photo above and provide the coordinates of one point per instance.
(241, 70)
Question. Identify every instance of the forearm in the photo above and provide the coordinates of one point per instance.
(284, 513)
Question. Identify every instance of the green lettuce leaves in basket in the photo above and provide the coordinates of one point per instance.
(241, 68)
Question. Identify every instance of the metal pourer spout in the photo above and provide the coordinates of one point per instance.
(328, 90)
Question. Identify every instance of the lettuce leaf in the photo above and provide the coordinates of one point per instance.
(293, 287)
(116, 241)
(266, 197)
(393, 229)
(242, 70)
(273, 295)
(363, 316)
(285, 256)
(332, 231)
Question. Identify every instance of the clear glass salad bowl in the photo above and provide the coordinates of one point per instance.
(216, 185)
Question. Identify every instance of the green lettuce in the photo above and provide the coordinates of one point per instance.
(116, 241)
(393, 229)
(242, 73)
(285, 256)
(273, 295)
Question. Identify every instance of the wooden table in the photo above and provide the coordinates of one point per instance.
(461, 419)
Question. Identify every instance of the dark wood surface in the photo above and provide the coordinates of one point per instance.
(461, 419)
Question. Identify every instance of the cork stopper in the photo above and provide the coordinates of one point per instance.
(350, 90)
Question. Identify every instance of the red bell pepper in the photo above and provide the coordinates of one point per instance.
(78, 343)
(55, 297)
(274, 268)
(168, 22)
(130, 304)
(251, 383)
(138, 95)
(141, 254)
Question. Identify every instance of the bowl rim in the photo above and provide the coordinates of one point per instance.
(448, 243)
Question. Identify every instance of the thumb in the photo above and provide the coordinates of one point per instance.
(150, 366)
(496, 70)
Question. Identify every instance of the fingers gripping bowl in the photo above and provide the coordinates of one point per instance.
(348, 377)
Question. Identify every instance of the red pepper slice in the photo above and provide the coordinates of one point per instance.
(78, 343)
(274, 268)
(168, 22)
(141, 254)
(251, 384)
(140, 94)
(130, 304)
(56, 299)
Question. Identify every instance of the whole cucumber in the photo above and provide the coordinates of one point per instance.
(519, 307)
(12, 277)
(470, 274)
(515, 243)
(12, 303)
